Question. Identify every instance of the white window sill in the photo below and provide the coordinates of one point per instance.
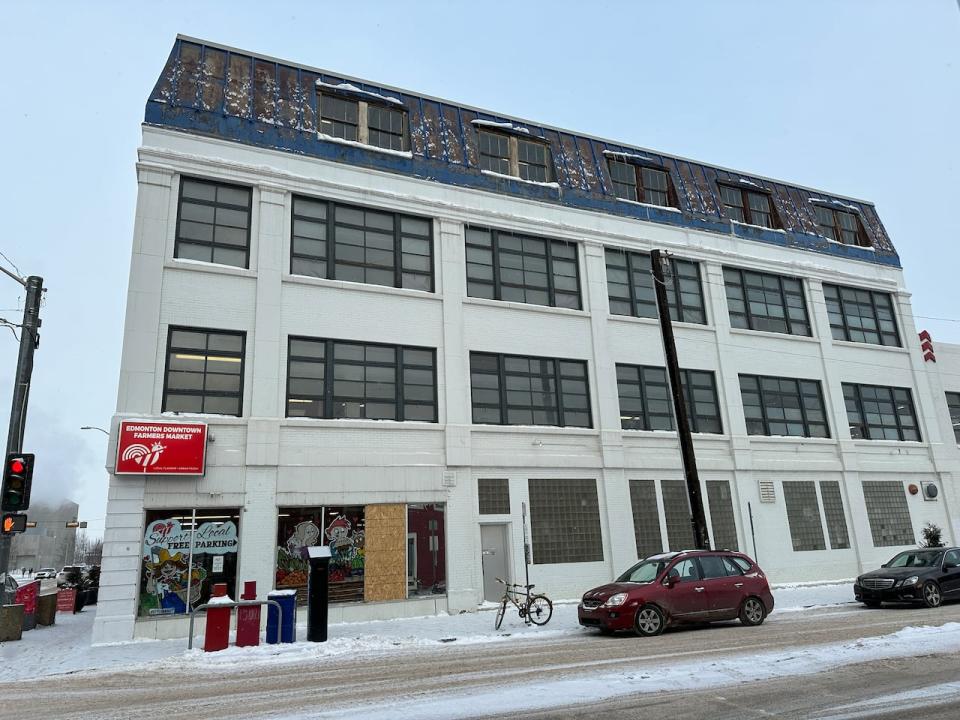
(359, 287)
(860, 247)
(668, 208)
(762, 439)
(353, 423)
(365, 146)
(202, 266)
(655, 321)
(535, 430)
(871, 346)
(758, 227)
(513, 305)
(554, 185)
(769, 333)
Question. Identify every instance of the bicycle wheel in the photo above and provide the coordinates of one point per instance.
(500, 613)
(540, 610)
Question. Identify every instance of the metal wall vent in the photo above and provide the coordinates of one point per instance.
(768, 493)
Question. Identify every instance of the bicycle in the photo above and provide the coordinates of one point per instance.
(536, 609)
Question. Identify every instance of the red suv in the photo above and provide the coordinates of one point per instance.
(678, 587)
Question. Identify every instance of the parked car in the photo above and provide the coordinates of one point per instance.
(44, 573)
(64, 576)
(925, 575)
(679, 587)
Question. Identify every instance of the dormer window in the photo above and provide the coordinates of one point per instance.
(364, 122)
(512, 155)
(842, 227)
(640, 183)
(748, 206)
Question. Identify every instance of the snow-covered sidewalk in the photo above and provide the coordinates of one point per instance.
(65, 647)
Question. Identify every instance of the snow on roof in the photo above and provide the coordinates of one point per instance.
(500, 125)
(629, 156)
(350, 87)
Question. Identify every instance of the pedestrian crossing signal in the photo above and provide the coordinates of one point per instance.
(17, 478)
(13, 523)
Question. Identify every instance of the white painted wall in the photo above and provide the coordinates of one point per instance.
(263, 460)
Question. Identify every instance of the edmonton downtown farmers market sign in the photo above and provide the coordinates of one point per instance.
(158, 448)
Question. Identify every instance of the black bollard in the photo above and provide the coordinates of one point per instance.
(317, 595)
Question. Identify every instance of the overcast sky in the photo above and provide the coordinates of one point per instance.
(859, 98)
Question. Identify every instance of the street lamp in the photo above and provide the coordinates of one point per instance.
(94, 427)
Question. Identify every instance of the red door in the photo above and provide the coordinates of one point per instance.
(688, 598)
(724, 590)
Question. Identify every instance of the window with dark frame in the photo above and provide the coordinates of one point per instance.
(842, 227)
(833, 511)
(362, 121)
(762, 301)
(357, 244)
(676, 512)
(565, 521)
(646, 517)
(630, 287)
(520, 390)
(791, 407)
(953, 405)
(748, 206)
(213, 222)
(858, 315)
(346, 379)
(722, 520)
(493, 496)
(522, 268)
(204, 372)
(641, 183)
(520, 157)
(888, 513)
(646, 404)
(876, 412)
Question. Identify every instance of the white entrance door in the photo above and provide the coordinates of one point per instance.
(493, 541)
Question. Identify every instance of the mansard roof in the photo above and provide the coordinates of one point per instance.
(217, 91)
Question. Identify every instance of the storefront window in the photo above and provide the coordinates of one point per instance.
(340, 527)
(179, 567)
(426, 555)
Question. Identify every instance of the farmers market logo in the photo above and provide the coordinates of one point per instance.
(143, 455)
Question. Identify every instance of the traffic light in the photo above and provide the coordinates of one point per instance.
(17, 476)
(14, 523)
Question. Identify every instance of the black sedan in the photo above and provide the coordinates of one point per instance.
(925, 575)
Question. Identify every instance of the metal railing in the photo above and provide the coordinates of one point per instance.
(238, 603)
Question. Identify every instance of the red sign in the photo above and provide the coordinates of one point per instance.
(66, 600)
(27, 596)
(159, 448)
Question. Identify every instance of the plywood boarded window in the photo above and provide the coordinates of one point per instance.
(385, 553)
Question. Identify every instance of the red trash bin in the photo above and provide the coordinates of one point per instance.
(248, 618)
(217, 634)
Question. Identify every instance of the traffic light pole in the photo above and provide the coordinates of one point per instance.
(697, 516)
(29, 339)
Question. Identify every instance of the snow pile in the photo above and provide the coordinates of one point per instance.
(349, 87)
(500, 125)
(793, 597)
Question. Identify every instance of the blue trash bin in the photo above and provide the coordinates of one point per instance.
(285, 631)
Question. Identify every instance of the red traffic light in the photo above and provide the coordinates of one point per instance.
(17, 466)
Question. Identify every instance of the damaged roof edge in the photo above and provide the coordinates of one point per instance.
(513, 118)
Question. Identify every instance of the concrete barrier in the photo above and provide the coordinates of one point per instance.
(47, 609)
(11, 622)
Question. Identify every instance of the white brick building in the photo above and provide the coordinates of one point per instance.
(490, 249)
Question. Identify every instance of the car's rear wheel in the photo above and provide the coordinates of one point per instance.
(932, 597)
(752, 612)
(649, 621)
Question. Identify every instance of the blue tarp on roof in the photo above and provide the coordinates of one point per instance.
(217, 91)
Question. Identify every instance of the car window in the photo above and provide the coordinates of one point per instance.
(915, 558)
(952, 557)
(643, 572)
(686, 570)
(712, 566)
(733, 565)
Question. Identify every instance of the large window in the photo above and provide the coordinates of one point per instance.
(761, 301)
(641, 183)
(630, 287)
(343, 242)
(748, 206)
(185, 552)
(676, 508)
(520, 268)
(803, 515)
(720, 502)
(953, 403)
(364, 122)
(888, 513)
(213, 223)
(861, 315)
(426, 550)
(842, 227)
(880, 413)
(783, 406)
(517, 156)
(646, 404)
(494, 496)
(565, 521)
(344, 379)
(517, 390)
(833, 511)
(204, 371)
(646, 517)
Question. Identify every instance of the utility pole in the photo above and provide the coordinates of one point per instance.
(29, 340)
(697, 516)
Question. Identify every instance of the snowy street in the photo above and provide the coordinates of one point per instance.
(459, 667)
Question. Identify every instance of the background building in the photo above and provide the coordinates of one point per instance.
(51, 542)
(406, 320)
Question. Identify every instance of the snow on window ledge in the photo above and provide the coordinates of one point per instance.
(493, 125)
(616, 154)
(349, 87)
(668, 208)
(759, 227)
(520, 179)
(835, 203)
(837, 242)
(374, 148)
